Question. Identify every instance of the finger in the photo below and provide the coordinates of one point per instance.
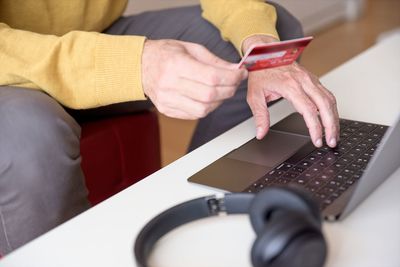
(303, 104)
(258, 106)
(205, 93)
(178, 105)
(330, 119)
(204, 55)
(326, 105)
(192, 69)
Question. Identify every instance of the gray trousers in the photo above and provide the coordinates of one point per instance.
(41, 181)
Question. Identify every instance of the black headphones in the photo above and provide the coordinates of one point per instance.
(286, 221)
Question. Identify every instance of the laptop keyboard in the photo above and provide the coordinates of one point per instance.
(328, 172)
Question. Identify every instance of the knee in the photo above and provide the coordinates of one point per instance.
(32, 122)
(39, 149)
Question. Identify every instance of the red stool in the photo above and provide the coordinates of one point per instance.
(119, 151)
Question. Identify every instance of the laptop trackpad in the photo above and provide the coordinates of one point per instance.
(240, 168)
(270, 151)
(229, 174)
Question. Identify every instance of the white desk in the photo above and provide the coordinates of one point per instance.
(367, 88)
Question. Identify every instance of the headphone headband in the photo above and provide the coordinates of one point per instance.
(186, 212)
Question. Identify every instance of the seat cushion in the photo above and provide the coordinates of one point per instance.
(119, 151)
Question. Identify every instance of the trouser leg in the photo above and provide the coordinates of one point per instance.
(186, 24)
(41, 182)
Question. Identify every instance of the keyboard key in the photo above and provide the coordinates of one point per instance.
(322, 164)
(348, 171)
(307, 175)
(268, 180)
(327, 190)
(301, 180)
(284, 166)
(305, 164)
(316, 183)
(320, 152)
(283, 180)
(276, 173)
(358, 149)
(290, 175)
(343, 148)
(356, 124)
(342, 177)
(340, 163)
(312, 158)
(324, 177)
(298, 169)
(355, 139)
(301, 153)
(338, 183)
(380, 129)
(337, 166)
(368, 127)
(362, 159)
(330, 171)
(361, 134)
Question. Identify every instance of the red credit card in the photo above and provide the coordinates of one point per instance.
(273, 55)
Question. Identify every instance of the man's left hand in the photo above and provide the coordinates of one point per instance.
(300, 87)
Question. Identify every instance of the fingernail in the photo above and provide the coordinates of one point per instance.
(332, 142)
(258, 133)
(318, 143)
(245, 74)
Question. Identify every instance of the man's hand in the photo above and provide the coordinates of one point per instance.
(185, 80)
(293, 82)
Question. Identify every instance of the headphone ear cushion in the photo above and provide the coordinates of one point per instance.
(275, 199)
(294, 241)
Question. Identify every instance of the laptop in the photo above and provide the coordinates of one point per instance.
(339, 178)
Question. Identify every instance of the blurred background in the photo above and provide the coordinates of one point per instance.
(341, 28)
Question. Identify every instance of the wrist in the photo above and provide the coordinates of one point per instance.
(257, 39)
(147, 61)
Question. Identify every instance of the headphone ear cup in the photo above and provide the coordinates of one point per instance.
(275, 199)
(294, 240)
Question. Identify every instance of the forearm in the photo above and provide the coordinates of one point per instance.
(79, 69)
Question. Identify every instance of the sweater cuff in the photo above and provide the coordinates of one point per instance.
(118, 72)
(252, 22)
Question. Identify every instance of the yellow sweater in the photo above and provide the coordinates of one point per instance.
(55, 46)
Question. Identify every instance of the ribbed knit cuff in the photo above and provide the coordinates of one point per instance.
(249, 22)
(118, 69)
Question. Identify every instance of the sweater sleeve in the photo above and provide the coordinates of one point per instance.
(239, 19)
(78, 69)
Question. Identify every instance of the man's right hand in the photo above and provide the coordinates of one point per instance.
(185, 80)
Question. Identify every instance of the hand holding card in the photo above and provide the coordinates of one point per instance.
(273, 54)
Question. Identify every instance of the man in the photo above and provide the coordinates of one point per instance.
(53, 59)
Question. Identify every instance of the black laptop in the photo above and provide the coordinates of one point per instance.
(339, 178)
